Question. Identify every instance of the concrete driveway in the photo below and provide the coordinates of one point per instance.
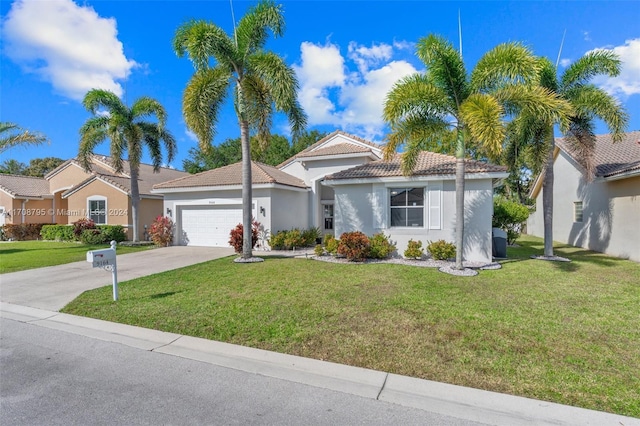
(52, 287)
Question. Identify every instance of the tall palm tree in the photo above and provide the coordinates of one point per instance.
(589, 102)
(423, 109)
(12, 135)
(129, 132)
(260, 80)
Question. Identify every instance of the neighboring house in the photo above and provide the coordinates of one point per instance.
(338, 184)
(69, 193)
(604, 214)
(25, 199)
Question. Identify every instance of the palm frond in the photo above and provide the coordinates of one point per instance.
(12, 135)
(592, 102)
(536, 101)
(201, 40)
(202, 100)
(445, 67)
(415, 133)
(146, 107)
(482, 116)
(415, 95)
(252, 29)
(597, 62)
(507, 63)
(99, 98)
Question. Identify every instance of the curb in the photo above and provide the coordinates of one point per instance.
(442, 398)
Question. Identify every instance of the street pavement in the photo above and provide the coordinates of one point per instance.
(63, 369)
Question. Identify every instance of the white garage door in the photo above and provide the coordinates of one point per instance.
(208, 225)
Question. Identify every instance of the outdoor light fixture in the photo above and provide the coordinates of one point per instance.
(168, 211)
(262, 210)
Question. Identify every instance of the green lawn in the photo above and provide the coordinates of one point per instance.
(562, 332)
(22, 255)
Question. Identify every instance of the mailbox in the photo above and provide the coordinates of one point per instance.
(100, 258)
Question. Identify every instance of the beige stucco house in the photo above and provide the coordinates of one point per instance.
(603, 214)
(69, 193)
(338, 184)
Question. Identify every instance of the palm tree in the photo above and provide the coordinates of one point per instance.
(536, 134)
(12, 135)
(424, 109)
(129, 132)
(261, 82)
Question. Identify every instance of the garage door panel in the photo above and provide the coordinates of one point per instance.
(207, 225)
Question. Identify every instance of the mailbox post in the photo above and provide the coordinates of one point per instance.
(106, 259)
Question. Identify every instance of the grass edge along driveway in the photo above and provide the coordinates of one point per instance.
(22, 255)
(561, 332)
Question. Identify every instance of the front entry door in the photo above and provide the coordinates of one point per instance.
(327, 213)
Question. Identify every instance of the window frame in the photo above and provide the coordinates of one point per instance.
(578, 212)
(98, 198)
(407, 207)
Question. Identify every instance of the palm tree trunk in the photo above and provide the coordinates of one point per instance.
(547, 197)
(135, 202)
(459, 199)
(246, 190)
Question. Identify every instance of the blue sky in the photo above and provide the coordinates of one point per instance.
(347, 55)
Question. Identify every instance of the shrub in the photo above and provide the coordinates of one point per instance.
(414, 250)
(380, 246)
(441, 250)
(235, 236)
(354, 246)
(331, 244)
(22, 231)
(113, 233)
(81, 225)
(293, 239)
(311, 236)
(57, 233)
(509, 216)
(287, 240)
(93, 236)
(161, 231)
(276, 242)
(319, 250)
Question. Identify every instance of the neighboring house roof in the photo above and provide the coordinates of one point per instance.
(231, 175)
(17, 186)
(317, 150)
(612, 159)
(102, 169)
(428, 164)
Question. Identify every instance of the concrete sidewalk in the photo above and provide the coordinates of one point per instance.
(448, 400)
(52, 287)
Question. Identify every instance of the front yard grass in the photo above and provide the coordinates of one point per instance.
(562, 332)
(21, 255)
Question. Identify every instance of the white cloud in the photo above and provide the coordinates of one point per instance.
(70, 46)
(565, 62)
(628, 82)
(332, 94)
(586, 35)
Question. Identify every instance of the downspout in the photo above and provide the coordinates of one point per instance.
(23, 211)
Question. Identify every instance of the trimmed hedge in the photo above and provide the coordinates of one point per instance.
(107, 233)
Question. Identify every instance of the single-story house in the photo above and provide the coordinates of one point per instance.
(602, 214)
(69, 193)
(338, 184)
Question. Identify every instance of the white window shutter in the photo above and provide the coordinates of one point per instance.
(435, 205)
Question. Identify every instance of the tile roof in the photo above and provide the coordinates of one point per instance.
(232, 175)
(24, 186)
(346, 149)
(102, 168)
(429, 163)
(611, 158)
